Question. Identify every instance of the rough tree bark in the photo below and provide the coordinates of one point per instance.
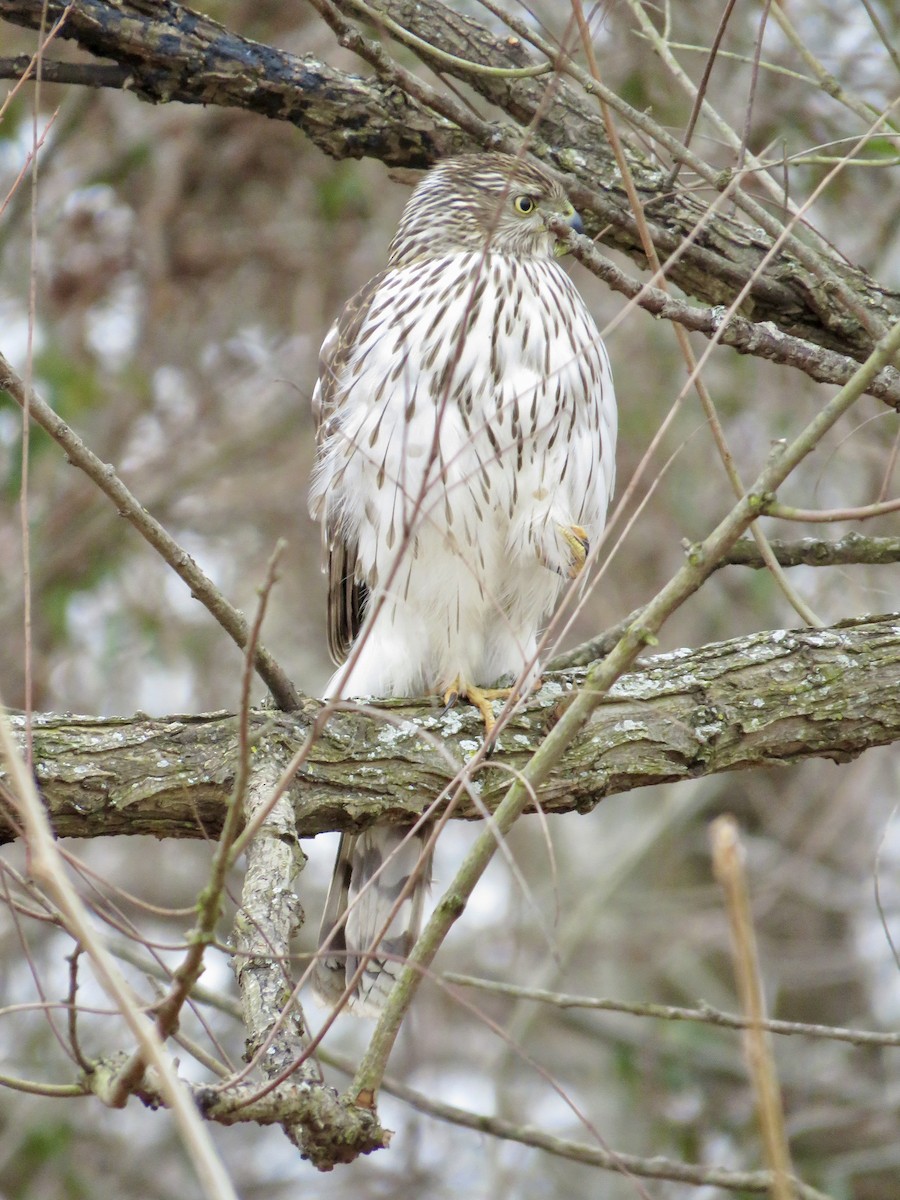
(771, 698)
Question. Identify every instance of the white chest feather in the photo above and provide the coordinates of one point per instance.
(475, 417)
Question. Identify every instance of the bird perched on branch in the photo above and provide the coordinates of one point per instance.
(465, 458)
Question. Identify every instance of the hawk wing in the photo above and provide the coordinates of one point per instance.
(347, 593)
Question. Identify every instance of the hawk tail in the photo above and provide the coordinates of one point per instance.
(383, 869)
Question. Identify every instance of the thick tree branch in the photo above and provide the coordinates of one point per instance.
(175, 54)
(172, 53)
(771, 698)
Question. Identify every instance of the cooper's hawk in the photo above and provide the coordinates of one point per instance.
(466, 433)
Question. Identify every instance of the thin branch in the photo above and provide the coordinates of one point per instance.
(381, 18)
(209, 901)
(883, 35)
(703, 85)
(31, 62)
(96, 75)
(762, 339)
(826, 81)
(705, 1015)
(74, 1040)
(852, 549)
(827, 516)
(33, 1087)
(754, 83)
(876, 878)
(693, 366)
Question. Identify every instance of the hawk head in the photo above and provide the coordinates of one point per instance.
(482, 201)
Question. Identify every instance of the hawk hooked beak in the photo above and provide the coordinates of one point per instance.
(574, 221)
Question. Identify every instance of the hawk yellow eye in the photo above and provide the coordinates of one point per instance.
(524, 205)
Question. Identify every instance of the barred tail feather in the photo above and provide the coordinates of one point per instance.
(329, 978)
(371, 872)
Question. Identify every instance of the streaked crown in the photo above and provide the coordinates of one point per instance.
(480, 201)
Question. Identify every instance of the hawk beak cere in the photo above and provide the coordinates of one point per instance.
(574, 221)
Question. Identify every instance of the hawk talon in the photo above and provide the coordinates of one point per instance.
(579, 543)
(480, 698)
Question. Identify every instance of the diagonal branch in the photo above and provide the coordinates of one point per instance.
(762, 339)
(172, 53)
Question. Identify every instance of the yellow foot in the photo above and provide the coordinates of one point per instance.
(579, 543)
(480, 697)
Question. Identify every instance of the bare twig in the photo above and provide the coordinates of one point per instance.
(883, 35)
(827, 516)
(81, 74)
(852, 549)
(209, 901)
(704, 1015)
(876, 876)
(381, 18)
(754, 82)
(826, 81)
(29, 63)
(703, 85)
(693, 367)
(761, 339)
(33, 1087)
(73, 1010)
